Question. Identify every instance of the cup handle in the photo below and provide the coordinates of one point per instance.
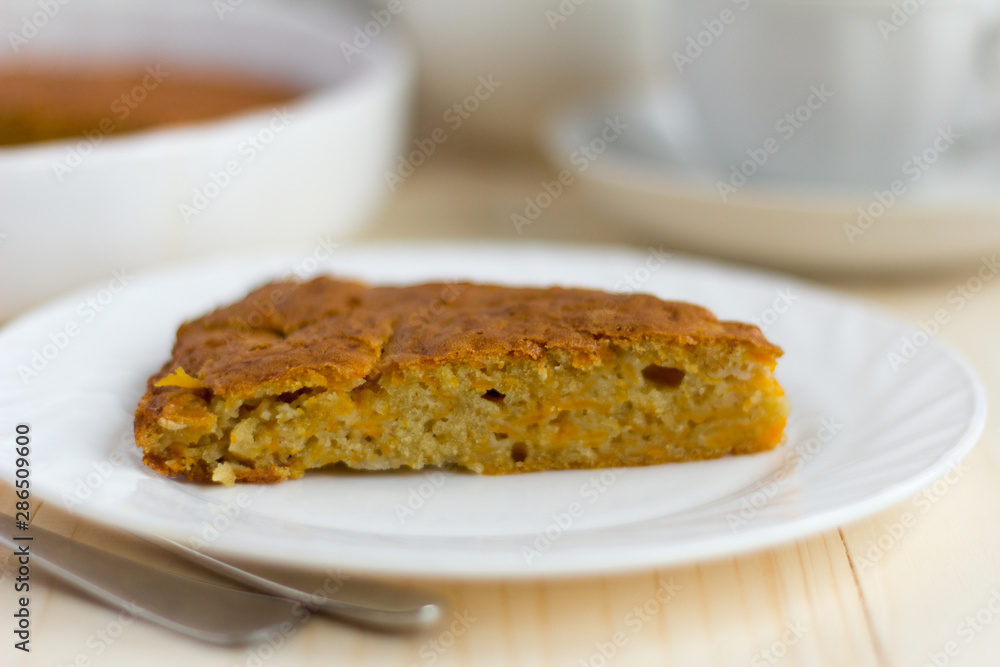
(982, 122)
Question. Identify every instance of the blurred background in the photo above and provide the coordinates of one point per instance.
(856, 140)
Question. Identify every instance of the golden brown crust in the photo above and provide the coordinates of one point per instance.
(335, 333)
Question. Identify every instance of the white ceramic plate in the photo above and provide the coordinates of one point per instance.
(657, 175)
(862, 435)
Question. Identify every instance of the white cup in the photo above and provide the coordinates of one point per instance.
(827, 92)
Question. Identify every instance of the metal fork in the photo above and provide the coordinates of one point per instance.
(377, 605)
(205, 611)
(209, 612)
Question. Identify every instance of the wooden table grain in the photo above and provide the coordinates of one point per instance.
(917, 584)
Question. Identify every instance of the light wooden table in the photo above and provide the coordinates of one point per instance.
(866, 594)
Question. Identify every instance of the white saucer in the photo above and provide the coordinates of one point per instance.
(866, 430)
(656, 175)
